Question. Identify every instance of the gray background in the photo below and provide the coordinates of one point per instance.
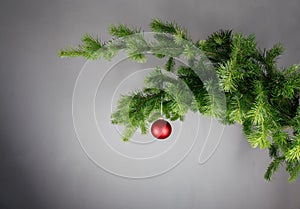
(42, 164)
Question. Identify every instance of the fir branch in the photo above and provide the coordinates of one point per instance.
(272, 55)
(170, 64)
(280, 139)
(158, 26)
(261, 97)
(236, 112)
(121, 30)
(273, 167)
(90, 49)
(228, 79)
(293, 154)
(258, 137)
(128, 132)
(217, 46)
(295, 122)
(294, 172)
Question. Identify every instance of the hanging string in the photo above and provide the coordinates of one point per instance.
(161, 110)
(161, 99)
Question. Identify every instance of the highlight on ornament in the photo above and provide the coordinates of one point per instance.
(260, 96)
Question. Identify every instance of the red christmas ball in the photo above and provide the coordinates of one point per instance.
(161, 129)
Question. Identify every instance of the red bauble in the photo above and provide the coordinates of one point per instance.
(161, 129)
